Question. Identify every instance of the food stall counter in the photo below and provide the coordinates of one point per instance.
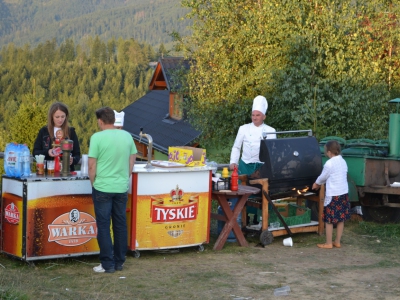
(47, 217)
(170, 206)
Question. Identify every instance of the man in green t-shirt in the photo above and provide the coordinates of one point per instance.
(112, 154)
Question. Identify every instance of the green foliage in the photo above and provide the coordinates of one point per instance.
(12, 294)
(84, 77)
(323, 65)
(29, 119)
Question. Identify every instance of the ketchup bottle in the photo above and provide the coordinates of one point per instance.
(234, 180)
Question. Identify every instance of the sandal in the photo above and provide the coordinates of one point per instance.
(325, 246)
(336, 245)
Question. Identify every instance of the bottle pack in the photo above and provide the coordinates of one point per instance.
(17, 160)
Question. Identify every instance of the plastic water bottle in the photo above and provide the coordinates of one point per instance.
(19, 163)
(27, 163)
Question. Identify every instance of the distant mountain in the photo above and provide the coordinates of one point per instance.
(37, 21)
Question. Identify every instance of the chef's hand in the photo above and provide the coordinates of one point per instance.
(232, 166)
(315, 186)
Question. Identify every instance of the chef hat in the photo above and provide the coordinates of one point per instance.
(119, 118)
(260, 104)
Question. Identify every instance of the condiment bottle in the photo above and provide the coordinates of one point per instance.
(225, 173)
(234, 180)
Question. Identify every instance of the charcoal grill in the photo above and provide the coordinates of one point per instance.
(292, 163)
(290, 167)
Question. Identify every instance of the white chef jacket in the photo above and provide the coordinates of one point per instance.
(334, 174)
(249, 136)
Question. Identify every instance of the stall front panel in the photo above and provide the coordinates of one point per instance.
(171, 208)
(51, 218)
(13, 220)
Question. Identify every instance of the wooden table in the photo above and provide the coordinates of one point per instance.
(230, 216)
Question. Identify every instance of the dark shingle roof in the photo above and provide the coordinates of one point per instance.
(170, 65)
(150, 112)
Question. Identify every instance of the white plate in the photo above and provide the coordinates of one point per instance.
(395, 184)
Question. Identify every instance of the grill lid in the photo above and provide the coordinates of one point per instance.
(290, 162)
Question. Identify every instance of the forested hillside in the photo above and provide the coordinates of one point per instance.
(37, 21)
(113, 73)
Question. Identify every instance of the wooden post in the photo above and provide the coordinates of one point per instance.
(264, 207)
(321, 224)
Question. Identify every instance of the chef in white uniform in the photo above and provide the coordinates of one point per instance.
(249, 137)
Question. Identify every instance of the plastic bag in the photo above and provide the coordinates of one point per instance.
(17, 160)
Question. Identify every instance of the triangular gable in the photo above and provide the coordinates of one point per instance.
(158, 81)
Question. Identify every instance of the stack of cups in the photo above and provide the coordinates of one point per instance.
(84, 165)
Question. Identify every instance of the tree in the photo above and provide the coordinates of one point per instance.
(25, 124)
(311, 59)
(162, 51)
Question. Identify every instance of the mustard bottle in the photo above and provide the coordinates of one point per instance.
(225, 173)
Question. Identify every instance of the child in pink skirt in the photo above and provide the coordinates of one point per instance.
(336, 204)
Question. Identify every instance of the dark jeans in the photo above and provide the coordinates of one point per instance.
(107, 207)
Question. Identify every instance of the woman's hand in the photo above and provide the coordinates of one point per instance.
(232, 166)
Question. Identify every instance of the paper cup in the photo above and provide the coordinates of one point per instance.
(288, 242)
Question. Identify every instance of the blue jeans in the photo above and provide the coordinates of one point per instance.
(107, 207)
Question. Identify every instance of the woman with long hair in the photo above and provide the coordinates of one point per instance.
(57, 127)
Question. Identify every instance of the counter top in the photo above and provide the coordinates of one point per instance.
(46, 177)
(141, 168)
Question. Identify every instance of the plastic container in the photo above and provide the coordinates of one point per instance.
(27, 162)
(234, 180)
(220, 224)
(296, 215)
(84, 165)
(225, 173)
(17, 160)
(282, 291)
(274, 225)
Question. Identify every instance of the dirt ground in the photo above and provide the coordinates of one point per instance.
(364, 268)
(351, 272)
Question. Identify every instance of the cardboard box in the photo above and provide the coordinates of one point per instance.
(189, 156)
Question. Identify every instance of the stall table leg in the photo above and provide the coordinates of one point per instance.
(230, 222)
(230, 216)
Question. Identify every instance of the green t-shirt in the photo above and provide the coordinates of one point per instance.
(112, 149)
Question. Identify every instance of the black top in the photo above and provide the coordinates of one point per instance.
(43, 143)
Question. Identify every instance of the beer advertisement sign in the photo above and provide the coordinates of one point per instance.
(12, 217)
(73, 228)
(174, 214)
(59, 221)
(11, 213)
